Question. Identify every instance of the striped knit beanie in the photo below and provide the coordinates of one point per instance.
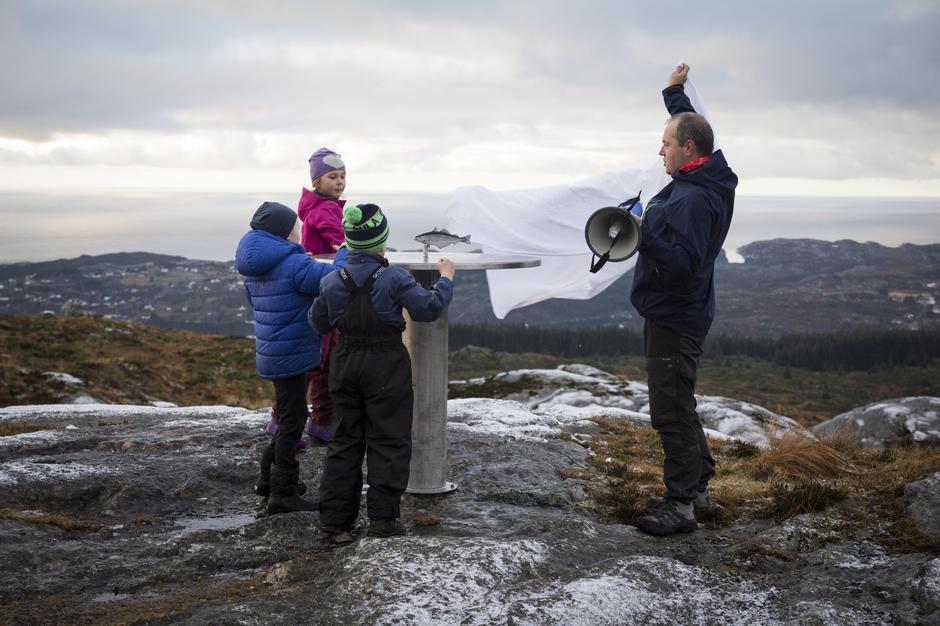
(366, 227)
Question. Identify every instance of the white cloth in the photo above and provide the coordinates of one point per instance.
(548, 222)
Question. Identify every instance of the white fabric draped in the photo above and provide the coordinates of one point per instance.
(548, 222)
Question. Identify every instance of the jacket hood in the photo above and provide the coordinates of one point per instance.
(309, 201)
(714, 174)
(259, 252)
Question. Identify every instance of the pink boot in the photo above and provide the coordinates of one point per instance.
(318, 432)
(271, 429)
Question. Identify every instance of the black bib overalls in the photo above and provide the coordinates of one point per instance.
(370, 381)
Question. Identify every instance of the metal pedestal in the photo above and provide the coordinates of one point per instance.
(427, 345)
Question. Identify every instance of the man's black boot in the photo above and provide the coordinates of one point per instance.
(285, 496)
(704, 507)
(669, 517)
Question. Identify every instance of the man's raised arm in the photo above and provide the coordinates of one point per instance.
(674, 93)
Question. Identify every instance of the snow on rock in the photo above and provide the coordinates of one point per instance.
(36, 438)
(436, 580)
(474, 580)
(40, 411)
(744, 421)
(14, 472)
(555, 376)
(653, 590)
(83, 398)
(568, 414)
(64, 378)
(566, 398)
(500, 417)
(514, 419)
(584, 398)
(914, 419)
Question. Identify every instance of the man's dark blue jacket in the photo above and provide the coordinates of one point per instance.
(683, 230)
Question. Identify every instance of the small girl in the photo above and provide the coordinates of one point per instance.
(321, 212)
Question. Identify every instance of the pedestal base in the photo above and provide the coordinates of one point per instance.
(445, 488)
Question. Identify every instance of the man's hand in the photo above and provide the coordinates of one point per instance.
(446, 268)
(678, 76)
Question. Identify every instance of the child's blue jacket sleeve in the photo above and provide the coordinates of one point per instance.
(319, 316)
(424, 305)
(307, 280)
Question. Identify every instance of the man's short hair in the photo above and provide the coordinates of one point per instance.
(693, 127)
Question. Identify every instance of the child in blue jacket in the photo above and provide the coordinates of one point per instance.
(282, 281)
(370, 375)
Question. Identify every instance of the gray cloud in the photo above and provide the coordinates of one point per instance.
(428, 81)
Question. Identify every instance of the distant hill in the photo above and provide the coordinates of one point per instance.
(784, 286)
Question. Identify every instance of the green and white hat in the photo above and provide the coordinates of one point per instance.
(366, 227)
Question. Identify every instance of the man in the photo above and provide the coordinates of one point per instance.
(682, 232)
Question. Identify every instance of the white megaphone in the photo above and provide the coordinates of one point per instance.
(612, 234)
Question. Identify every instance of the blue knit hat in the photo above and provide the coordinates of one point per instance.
(366, 227)
(275, 218)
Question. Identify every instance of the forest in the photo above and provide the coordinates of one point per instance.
(846, 351)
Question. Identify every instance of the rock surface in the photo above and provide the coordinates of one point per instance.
(163, 528)
(923, 505)
(912, 420)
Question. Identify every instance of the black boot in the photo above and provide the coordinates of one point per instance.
(382, 527)
(263, 486)
(285, 495)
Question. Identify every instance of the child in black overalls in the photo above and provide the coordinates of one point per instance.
(370, 375)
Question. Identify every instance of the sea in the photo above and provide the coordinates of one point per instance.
(40, 227)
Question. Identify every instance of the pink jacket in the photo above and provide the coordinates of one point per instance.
(323, 222)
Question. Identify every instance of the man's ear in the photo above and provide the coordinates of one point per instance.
(689, 148)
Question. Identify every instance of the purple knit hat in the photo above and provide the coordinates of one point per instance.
(324, 160)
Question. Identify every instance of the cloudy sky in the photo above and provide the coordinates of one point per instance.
(809, 98)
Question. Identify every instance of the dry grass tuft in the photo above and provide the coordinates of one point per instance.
(795, 475)
(73, 609)
(59, 520)
(843, 439)
(14, 427)
(628, 461)
(794, 456)
(805, 496)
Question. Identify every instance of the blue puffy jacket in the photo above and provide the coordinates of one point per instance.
(282, 281)
(683, 229)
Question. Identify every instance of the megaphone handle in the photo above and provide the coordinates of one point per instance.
(596, 266)
(630, 203)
